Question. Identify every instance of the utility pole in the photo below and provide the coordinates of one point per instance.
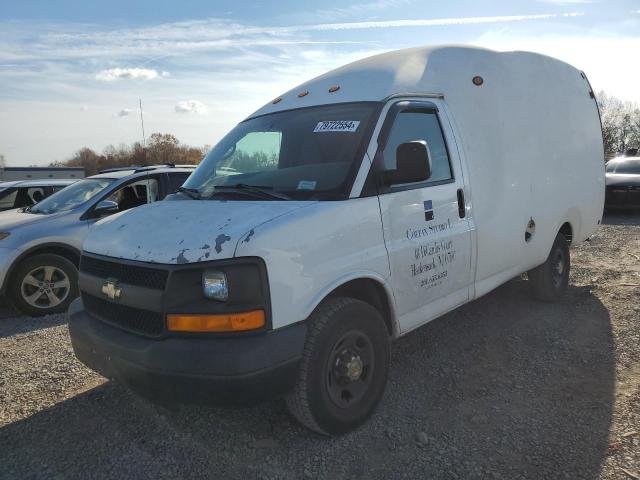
(144, 141)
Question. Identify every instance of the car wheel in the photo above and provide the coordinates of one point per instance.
(549, 281)
(344, 366)
(44, 284)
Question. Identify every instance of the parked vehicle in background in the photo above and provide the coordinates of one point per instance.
(24, 193)
(40, 245)
(623, 183)
(339, 216)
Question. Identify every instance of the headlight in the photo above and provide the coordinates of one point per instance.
(4, 235)
(214, 285)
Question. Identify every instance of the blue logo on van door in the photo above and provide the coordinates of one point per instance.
(428, 210)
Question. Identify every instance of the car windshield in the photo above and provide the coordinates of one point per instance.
(624, 167)
(72, 196)
(308, 153)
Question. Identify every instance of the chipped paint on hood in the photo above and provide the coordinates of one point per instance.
(182, 232)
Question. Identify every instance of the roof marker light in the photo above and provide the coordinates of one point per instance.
(277, 100)
(477, 80)
(303, 93)
(335, 88)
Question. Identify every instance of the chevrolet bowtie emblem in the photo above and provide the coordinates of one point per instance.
(111, 289)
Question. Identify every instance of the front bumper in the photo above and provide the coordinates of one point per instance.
(239, 370)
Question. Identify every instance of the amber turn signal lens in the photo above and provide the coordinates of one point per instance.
(232, 322)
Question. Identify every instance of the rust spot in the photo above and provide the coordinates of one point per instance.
(181, 258)
(246, 240)
(220, 239)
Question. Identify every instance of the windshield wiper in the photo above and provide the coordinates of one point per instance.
(190, 192)
(256, 190)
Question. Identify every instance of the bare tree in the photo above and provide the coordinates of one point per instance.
(620, 124)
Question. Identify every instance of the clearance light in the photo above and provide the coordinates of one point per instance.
(335, 88)
(303, 93)
(232, 322)
(277, 100)
(477, 80)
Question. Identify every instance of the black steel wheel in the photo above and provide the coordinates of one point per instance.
(344, 368)
(550, 280)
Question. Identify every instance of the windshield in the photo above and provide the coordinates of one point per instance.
(624, 167)
(72, 196)
(308, 153)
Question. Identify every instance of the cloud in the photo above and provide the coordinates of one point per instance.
(125, 112)
(119, 73)
(191, 106)
(431, 22)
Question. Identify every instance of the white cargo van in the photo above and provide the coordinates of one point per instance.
(338, 217)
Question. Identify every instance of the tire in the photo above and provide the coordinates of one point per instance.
(54, 277)
(549, 281)
(344, 367)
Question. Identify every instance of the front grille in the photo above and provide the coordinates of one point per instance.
(135, 320)
(155, 278)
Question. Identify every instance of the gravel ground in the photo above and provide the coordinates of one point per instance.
(504, 387)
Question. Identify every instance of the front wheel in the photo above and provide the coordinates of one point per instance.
(343, 371)
(43, 284)
(549, 281)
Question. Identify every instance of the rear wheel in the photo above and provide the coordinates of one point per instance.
(44, 284)
(549, 281)
(344, 368)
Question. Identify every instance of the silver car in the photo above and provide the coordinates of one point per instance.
(40, 245)
(24, 193)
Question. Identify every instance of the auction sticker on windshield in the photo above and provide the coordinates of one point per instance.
(337, 126)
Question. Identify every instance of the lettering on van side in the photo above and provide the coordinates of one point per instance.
(420, 232)
(432, 259)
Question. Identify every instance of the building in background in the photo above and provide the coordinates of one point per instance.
(8, 174)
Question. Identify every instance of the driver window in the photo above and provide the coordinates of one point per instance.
(411, 125)
(135, 194)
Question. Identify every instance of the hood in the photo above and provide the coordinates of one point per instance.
(24, 227)
(182, 232)
(622, 179)
(10, 219)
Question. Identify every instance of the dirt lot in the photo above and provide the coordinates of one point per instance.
(504, 387)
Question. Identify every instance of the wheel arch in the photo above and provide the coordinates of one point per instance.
(66, 251)
(567, 230)
(369, 288)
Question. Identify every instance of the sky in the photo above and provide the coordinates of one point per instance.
(72, 72)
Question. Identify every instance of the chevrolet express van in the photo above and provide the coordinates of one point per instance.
(338, 217)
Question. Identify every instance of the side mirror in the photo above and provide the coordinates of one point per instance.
(413, 164)
(105, 207)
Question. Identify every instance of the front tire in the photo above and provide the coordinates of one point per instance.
(549, 281)
(344, 367)
(43, 284)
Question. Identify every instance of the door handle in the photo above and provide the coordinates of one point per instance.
(461, 207)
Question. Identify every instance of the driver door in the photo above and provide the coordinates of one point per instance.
(426, 231)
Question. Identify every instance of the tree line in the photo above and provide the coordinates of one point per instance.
(161, 148)
(620, 124)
